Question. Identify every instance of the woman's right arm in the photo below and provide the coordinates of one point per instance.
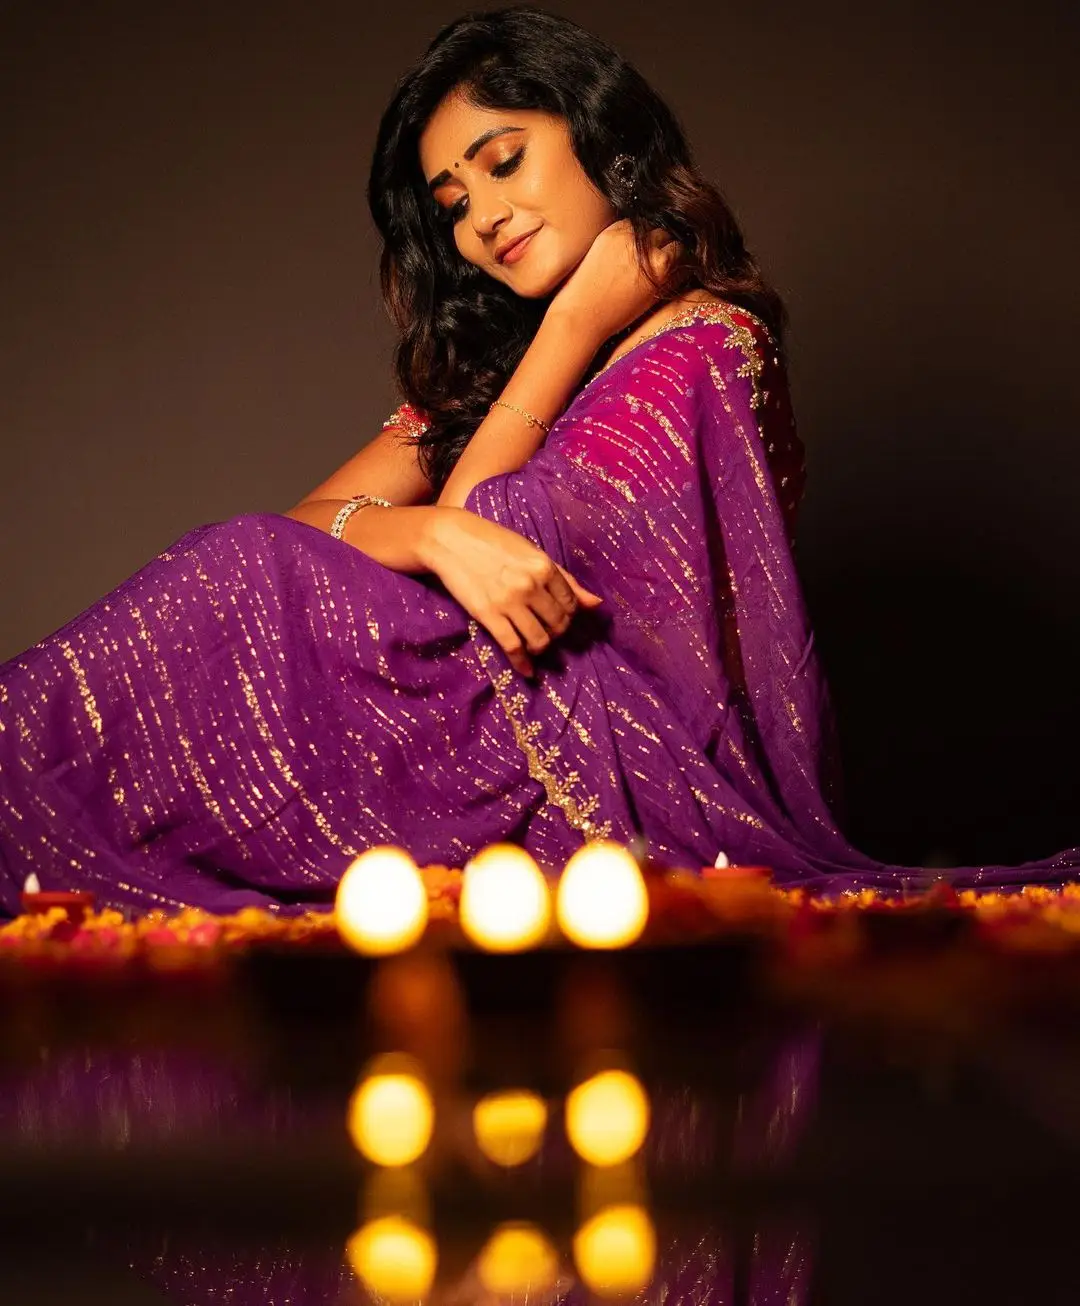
(389, 467)
(500, 578)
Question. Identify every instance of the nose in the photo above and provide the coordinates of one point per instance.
(489, 211)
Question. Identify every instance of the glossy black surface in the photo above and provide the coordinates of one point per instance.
(185, 1140)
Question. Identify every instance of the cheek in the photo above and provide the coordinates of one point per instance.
(575, 203)
(468, 244)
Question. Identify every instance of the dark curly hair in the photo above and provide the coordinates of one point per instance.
(462, 332)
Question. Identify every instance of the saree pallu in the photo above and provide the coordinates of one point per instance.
(261, 702)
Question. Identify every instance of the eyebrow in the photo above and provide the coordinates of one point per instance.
(470, 153)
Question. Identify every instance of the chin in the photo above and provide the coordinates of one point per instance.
(536, 283)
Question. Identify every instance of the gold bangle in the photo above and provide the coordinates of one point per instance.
(533, 421)
(358, 501)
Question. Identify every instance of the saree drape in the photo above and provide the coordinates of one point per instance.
(247, 712)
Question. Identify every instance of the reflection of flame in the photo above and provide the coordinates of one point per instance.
(615, 1250)
(381, 904)
(509, 1126)
(517, 1258)
(505, 900)
(607, 1117)
(391, 1115)
(602, 901)
(398, 1190)
(394, 1257)
(415, 1003)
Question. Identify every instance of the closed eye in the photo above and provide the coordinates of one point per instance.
(455, 212)
(509, 165)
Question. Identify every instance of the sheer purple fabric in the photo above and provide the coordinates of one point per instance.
(239, 718)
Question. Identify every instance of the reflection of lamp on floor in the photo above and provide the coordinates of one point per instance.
(509, 1126)
(615, 1243)
(396, 1258)
(518, 1260)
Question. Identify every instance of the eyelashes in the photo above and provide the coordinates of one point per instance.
(508, 165)
(454, 214)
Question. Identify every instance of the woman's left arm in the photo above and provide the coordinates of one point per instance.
(605, 292)
(542, 384)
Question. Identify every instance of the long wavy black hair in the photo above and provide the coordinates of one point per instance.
(462, 333)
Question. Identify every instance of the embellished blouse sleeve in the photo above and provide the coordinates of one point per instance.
(412, 422)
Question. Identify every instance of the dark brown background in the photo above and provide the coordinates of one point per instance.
(191, 329)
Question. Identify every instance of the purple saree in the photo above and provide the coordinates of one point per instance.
(240, 717)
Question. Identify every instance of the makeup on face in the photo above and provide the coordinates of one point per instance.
(500, 178)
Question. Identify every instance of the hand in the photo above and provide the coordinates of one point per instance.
(502, 580)
(609, 288)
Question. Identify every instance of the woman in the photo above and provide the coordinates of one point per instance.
(554, 599)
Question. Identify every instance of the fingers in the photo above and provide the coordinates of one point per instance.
(560, 591)
(531, 628)
(527, 625)
(587, 597)
(556, 616)
(511, 644)
(664, 249)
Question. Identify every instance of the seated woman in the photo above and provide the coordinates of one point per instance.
(553, 600)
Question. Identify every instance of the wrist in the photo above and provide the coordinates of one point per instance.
(431, 537)
(579, 324)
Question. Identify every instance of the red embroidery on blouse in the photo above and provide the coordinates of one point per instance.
(408, 419)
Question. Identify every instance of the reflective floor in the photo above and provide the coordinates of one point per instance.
(663, 1127)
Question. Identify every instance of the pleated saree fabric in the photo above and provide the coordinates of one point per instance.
(261, 702)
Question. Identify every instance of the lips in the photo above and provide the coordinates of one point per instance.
(510, 246)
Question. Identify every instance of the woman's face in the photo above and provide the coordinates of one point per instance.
(499, 174)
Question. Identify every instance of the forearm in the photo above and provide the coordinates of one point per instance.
(543, 384)
(399, 538)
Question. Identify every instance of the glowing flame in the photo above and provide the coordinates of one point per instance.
(615, 1251)
(391, 1116)
(517, 1258)
(394, 1257)
(509, 1126)
(381, 903)
(607, 1118)
(602, 901)
(505, 900)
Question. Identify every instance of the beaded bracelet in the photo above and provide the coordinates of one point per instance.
(358, 501)
(533, 421)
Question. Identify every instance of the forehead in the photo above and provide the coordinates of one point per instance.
(456, 123)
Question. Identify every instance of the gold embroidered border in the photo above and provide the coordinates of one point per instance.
(740, 337)
(558, 791)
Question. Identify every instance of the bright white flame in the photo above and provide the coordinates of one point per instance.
(602, 900)
(381, 903)
(32, 884)
(722, 860)
(505, 900)
(394, 1257)
(509, 1126)
(615, 1251)
(391, 1118)
(607, 1118)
